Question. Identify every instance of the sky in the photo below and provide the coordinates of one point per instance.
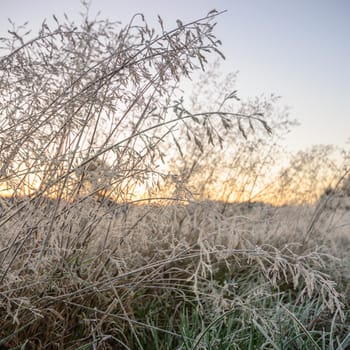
(297, 49)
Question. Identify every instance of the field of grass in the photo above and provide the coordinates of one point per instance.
(106, 239)
(205, 275)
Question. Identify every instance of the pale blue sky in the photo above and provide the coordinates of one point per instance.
(298, 49)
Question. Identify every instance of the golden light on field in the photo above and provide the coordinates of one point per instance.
(132, 190)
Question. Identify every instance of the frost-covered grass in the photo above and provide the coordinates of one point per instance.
(90, 114)
(196, 276)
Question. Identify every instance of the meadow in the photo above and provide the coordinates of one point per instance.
(132, 219)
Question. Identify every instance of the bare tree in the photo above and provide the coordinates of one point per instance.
(240, 166)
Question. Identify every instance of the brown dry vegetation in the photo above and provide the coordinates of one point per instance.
(107, 265)
(89, 114)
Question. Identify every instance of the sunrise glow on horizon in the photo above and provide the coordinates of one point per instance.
(296, 50)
